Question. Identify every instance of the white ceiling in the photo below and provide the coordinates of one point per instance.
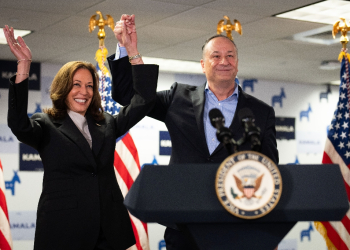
(176, 29)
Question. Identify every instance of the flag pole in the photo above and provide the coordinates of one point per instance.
(102, 52)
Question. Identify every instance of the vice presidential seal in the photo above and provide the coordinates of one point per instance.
(248, 184)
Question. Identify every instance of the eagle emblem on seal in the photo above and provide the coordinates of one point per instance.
(248, 185)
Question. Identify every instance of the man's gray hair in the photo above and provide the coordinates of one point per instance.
(215, 36)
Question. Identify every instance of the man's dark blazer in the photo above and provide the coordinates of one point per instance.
(80, 193)
(181, 109)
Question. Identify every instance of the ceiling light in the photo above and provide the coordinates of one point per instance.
(330, 65)
(17, 33)
(336, 82)
(178, 66)
(322, 35)
(327, 12)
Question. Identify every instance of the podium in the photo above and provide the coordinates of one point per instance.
(185, 195)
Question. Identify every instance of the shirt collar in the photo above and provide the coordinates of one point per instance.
(235, 92)
(77, 118)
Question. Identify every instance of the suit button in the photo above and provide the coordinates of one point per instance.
(93, 174)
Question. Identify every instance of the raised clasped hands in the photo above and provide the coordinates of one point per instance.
(125, 32)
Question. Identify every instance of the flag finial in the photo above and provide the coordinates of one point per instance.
(101, 23)
(228, 27)
(343, 28)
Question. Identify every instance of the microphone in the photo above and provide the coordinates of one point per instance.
(217, 120)
(223, 134)
(251, 131)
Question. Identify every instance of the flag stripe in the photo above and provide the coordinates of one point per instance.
(4, 245)
(347, 189)
(5, 233)
(138, 245)
(5, 229)
(122, 170)
(142, 229)
(334, 237)
(336, 159)
(326, 158)
(124, 190)
(3, 204)
(346, 221)
(2, 181)
(342, 233)
(129, 143)
(129, 161)
(121, 183)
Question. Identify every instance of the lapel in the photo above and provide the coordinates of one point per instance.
(70, 130)
(235, 127)
(96, 130)
(198, 100)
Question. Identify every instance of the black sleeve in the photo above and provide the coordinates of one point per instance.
(145, 83)
(27, 130)
(122, 87)
(122, 82)
(268, 140)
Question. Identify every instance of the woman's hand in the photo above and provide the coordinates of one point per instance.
(21, 51)
(19, 47)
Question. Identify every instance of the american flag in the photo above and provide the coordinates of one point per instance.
(126, 159)
(5, 233)
(337, 151)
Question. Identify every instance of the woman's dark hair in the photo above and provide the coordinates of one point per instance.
(62, 84)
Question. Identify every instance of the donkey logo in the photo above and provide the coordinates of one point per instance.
(306, 233)
(324, 95)
(305, 113)
(249, 83)
(11, 184)
(278, 98)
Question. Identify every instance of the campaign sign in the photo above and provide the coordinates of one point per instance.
(310, 142)
(164, 143)
(29, 159)
(285, 128)
(9, 68)
(288, 244)
(22, 224)
(8, 142)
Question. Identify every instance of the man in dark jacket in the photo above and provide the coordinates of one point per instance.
(184, 108)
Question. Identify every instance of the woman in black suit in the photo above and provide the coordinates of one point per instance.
(81, 205)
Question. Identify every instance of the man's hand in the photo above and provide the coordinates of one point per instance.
(128, 22)
(125, 32)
